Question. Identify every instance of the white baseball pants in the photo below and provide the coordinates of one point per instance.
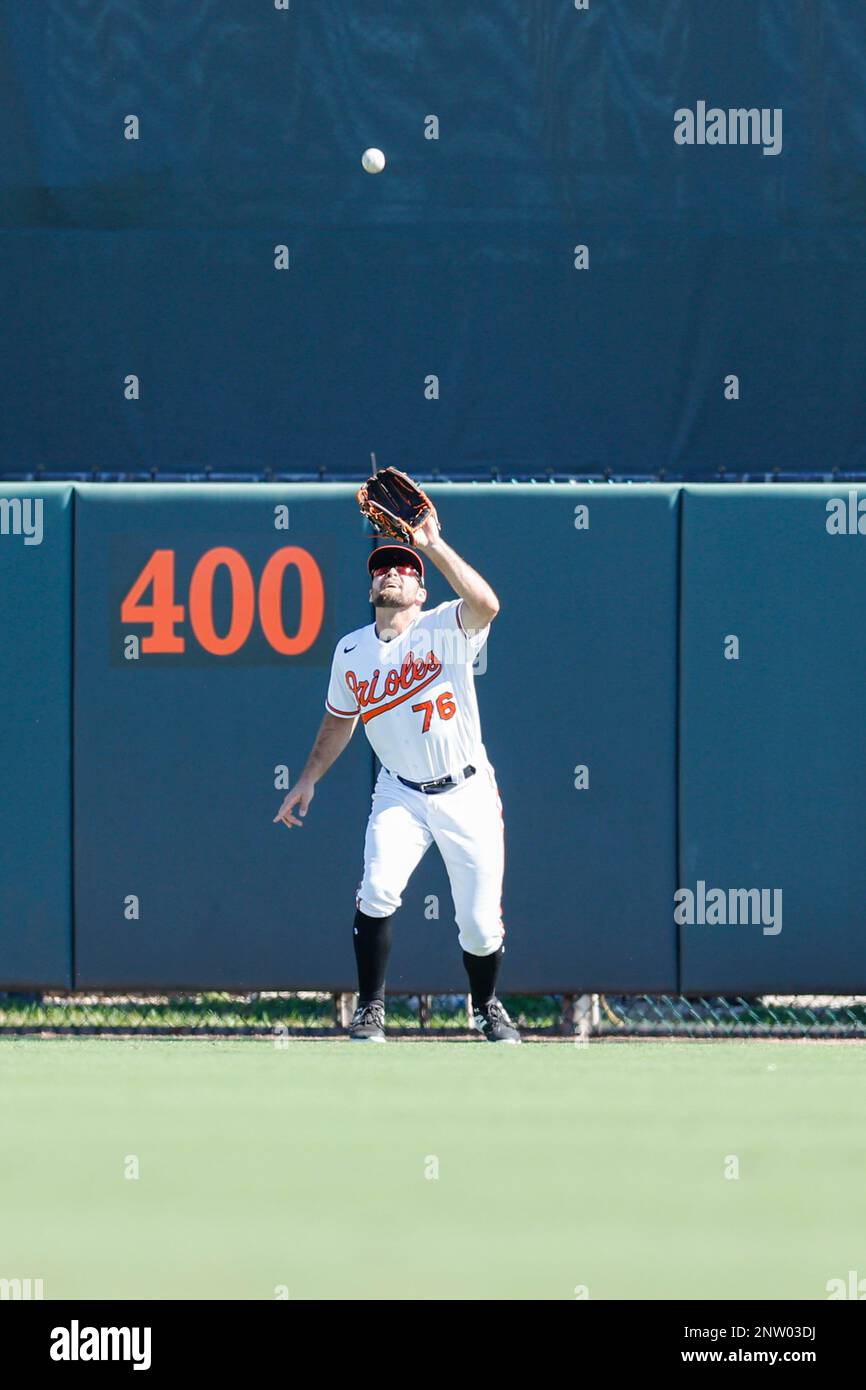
(466, 824)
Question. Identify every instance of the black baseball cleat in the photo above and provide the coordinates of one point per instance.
(368, 1022)
(494, 1023)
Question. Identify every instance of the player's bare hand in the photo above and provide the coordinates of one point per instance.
(299, 797)
(428, 534)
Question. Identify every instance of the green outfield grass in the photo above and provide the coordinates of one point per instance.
(304, 1166)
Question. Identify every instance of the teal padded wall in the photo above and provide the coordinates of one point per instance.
(176, 753)
(580, 671)
(35, 735)
(611, 652)
(773, 743)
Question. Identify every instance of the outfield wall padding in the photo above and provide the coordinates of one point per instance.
(773, 742)
(182, 879)
(580, 672)
(176, 753)
(640, 750)
(35, 736)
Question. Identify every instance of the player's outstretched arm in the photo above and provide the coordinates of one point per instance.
(480, 604)
(333, 736)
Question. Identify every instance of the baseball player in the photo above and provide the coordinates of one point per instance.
(408, 677)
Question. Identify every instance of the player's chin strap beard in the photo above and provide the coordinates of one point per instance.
(386, 632)
(390, 606)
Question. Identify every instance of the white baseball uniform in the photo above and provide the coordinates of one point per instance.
(415, 695)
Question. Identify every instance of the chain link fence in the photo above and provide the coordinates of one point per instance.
(325, 1015)
(715, 1016)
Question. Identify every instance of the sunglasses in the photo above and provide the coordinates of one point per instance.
(401, 569)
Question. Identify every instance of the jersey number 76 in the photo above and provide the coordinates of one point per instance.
(445, 708)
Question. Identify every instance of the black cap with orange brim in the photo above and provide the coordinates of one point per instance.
(395, 555)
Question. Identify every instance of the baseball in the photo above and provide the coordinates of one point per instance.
(373, 161)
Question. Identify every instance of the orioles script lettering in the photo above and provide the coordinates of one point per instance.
(413, 670)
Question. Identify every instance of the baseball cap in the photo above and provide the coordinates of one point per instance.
(395, 555)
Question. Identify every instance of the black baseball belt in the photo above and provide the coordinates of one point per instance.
(441, 784)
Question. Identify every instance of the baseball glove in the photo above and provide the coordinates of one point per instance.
(394, 505)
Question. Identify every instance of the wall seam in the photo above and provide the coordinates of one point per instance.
(73, 961)
(678, 724)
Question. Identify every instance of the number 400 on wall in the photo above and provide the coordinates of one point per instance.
(162, 614)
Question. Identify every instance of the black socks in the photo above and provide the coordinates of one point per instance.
(372, 940)
(483, 972)
(371, 937)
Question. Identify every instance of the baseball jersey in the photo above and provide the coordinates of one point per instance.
(415, 694)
